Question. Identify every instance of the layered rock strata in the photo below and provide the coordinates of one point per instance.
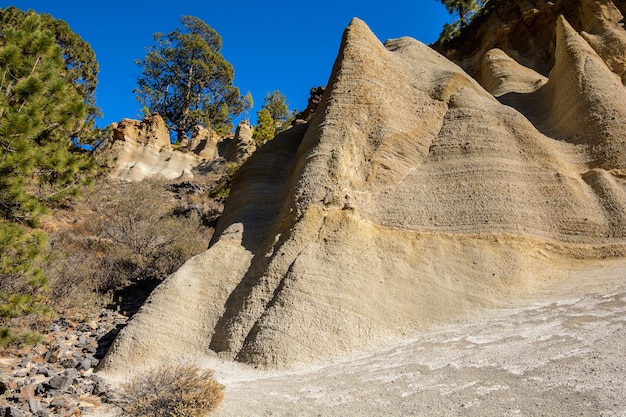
(412, 195)
(143, 149)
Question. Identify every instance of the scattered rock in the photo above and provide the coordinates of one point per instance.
(56, 379)
(13, 412)
(60, 383)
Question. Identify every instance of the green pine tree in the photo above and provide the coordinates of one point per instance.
(80, 60)
(265, 129)
(465, 9)
(276, 104)
(40, 111)
(186, 79)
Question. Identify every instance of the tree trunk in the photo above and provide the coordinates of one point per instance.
(461, 11)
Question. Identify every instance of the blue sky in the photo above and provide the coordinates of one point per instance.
(281, 45)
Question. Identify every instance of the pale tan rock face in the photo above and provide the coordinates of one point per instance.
(413, 195)
(242, 145)
(500, 74)
(150, 131)
(204, 142)
(142, 149)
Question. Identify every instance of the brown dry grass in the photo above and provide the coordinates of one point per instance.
(172, 391)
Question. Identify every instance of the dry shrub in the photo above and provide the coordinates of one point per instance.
(78, 278)
(122, 234)
(172, 391)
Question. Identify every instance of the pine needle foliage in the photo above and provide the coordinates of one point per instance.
(466, 10)
(186, 80)
(40, 111)
(265, 129)
(276, 104)
(80, 60)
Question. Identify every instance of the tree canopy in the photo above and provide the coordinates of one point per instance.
(40, 111)
(465, 9)
(81, 67)
(265, 129)
(276, 104)
(187, 81)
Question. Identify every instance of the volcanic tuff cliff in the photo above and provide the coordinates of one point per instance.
(415, 193)
(142, 149)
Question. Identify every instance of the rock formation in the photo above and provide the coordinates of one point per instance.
(242, 145)
(412, 195)
(525, 30)
(150, 131)
(315, 98)
(204, 142)
(142, 149)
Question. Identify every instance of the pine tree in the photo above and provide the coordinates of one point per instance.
(465, 9)
(40, 111)
(265, 129)
(80, 60)
(276, 104)
(186, 79)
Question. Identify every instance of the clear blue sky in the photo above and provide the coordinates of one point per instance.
(281, 45)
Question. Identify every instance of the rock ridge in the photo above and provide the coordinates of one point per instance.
(412, 195)
(143, 149)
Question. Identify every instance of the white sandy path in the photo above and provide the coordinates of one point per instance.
(559, 353)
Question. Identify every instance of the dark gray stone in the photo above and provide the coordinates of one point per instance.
(13, 412)
(90, 349)
(62, 402)
(99, 389)
(72, 373)
(47, 372)
(25, 361)
(68, 363)
(40, 389)
(33, 405)
(60, 382)
(84, 364)
(51, 356)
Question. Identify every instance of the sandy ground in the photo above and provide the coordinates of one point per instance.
(561, 352)
(558, 353)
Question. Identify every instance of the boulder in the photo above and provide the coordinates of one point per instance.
(150, 131)
(242, 146)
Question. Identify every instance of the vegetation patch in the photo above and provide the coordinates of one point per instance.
(172, 391)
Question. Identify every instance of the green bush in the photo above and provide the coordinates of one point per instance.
(172, 391)
(16, 337)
